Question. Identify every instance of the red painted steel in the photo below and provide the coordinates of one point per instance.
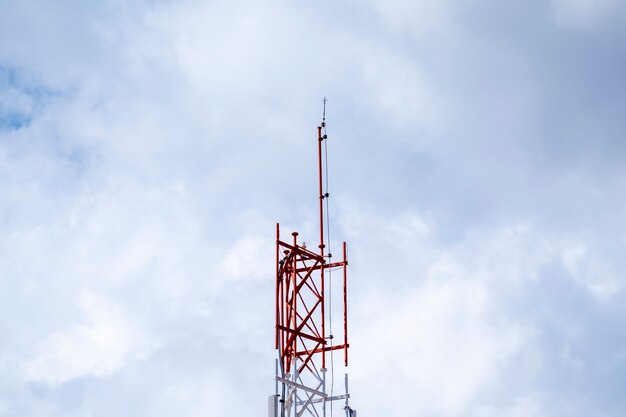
(301, 302)
(345, 302)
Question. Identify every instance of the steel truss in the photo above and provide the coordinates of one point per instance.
(301, 307)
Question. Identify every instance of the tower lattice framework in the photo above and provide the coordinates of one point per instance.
(303, 283)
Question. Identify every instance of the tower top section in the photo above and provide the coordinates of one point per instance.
(304, 312)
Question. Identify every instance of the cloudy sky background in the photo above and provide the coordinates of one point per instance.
(477, 170)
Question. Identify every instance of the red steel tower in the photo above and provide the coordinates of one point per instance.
(304, 339)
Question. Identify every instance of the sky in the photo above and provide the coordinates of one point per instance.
(477, 170)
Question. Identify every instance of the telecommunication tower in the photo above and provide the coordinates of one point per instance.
(304, 308)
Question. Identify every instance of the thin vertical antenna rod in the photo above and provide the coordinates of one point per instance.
(320, 138)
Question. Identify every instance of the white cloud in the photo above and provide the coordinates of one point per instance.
(14, 101)
(420, 18)
(397, 92)
(583, 13)
(521, 407)
(592, 271)
(441, 334)
(438, 315)
(96, 346)
(441, 344)
(242, 260)
(138, 207)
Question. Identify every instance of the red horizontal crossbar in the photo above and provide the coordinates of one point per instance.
(302, 334)
(301, 251)
(325, 266)
(324, 349)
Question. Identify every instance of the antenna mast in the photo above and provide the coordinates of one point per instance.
(302, 287)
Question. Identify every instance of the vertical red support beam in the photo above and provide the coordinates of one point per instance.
(323, 308)
(294, 300)
(277, 282)
(321, 194)
(283, 313)
(345, 303)
(321, 191)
